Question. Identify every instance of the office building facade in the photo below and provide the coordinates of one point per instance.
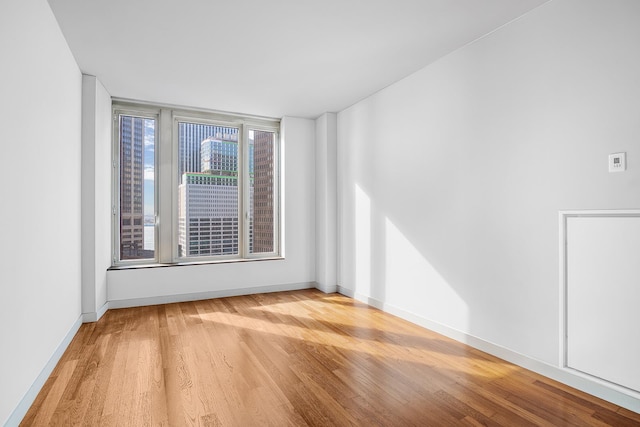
(262, 181)
(132, 187)
(208, 222)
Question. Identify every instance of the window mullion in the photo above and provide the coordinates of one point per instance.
(115, 193)
(165, 188)
(245, 199)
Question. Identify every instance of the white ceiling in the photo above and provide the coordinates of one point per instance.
(270, 58)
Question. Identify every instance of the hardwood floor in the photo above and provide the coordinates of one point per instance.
(294, 358)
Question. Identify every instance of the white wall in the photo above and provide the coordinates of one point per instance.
(96, 199)
(126, 287)
(450, 181)
(40, 174)
(326, 202)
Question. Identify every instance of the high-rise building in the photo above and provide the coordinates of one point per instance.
(132, 187)
(219, 157)
(208, 211)
(262, 198)
(208, 215)
(190, 137)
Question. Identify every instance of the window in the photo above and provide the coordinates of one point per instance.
(208, 190)
(261, 211)
(216, 199)
(136, 202)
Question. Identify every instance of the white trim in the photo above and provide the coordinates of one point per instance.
(203, 112)
(95, 316)
(607, 213)
(168, 299)
(596, 387)
(346, 292)
(562, 289)
(327, 289)
(563, 358)
(30, 396)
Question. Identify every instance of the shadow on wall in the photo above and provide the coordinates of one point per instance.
(385, 258)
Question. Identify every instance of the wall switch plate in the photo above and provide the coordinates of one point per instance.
(617, 162)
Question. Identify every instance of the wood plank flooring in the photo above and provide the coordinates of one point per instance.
(294, 359)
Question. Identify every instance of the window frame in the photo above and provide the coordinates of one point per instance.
(167, 158)
(146, 113)
(276, 192)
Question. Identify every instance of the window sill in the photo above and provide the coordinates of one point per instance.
(184, 264)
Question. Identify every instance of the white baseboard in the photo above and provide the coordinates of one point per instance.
(30, 396)
(168, 299)
(331, 289)
(613, 393)
(345, 291)
(96, 315)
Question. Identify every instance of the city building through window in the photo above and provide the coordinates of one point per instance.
(224, 199)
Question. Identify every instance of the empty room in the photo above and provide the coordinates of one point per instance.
(394, 213)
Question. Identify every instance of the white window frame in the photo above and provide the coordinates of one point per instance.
(167, 181)
(115, 182)
(276, 190)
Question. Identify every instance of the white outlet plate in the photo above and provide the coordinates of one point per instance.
(617, 162)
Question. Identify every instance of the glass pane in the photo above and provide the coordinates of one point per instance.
(137, 187)
(208, 221)
(261, 194)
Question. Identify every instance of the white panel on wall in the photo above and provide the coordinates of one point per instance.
(603, 295)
